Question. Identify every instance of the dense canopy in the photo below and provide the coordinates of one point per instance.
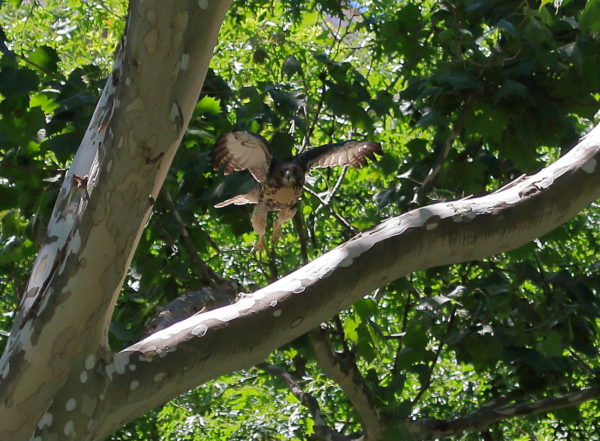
(464, 96)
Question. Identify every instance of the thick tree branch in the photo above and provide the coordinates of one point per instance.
(345, 373)
(104, 203)
(192, 302)
(241, 335)
(481, 419)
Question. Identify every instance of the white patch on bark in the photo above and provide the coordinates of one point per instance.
(174, 114)
(75, 243)
(146, 359)
(431, 226)
(5, 370)
(151, 40)
(71, 404)
(590, 166)
(90, 361)
(151, 16)
(83, 377)
(200, 330)
(134, 385)
(246, 303)
(160, 377)
(109, 369)
(297, 321)
(132, 367)
(45, 421)
(203, 4)
(277, 313)
(185, 61)
(136, 104)
(69, 428)
(120, 362)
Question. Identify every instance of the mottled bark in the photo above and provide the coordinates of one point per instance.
(58, 379)
(53, 370)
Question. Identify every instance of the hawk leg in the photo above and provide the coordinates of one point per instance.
(284, 215)
(259, 224)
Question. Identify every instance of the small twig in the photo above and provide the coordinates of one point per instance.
(335, 214)
(439, 162)
(336, 187)
(322, 431)
(207, 272)
(310, 124)
(581, 361)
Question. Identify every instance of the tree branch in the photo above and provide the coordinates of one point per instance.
(241, 335)
(345, 373)
(322, 430)
(207, 272)
(439, 162)
(481, 419)
(62, 323)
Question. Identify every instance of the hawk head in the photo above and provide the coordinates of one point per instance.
(286, 175)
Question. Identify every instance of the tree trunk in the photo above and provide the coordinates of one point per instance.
(54, 369)
(60, 380)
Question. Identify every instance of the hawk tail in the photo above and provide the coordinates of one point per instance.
(241, 199)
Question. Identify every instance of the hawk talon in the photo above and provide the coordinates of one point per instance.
(259, 246)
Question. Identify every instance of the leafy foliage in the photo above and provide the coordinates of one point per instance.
(464, 96)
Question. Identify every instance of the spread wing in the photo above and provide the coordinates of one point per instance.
(354, 153)
(240, 151)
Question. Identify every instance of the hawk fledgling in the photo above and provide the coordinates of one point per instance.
(280, 183)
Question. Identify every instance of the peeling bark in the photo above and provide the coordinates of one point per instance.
(59, 335)
(58, 380)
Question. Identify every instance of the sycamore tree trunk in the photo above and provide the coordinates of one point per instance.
(56, 369)
(59, 380)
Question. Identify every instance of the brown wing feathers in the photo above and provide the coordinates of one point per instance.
(354, 153)
(240, 151)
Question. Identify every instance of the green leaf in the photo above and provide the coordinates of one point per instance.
(589, 22)
(291, 66)
(487, 122)
(46, 58)
(209, 105)
(350, 329)
(483, 347)
(15, 82)
(552, 344)
(509, 88)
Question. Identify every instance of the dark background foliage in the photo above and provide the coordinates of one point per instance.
(464, 96)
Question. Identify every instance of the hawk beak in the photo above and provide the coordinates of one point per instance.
(288, 176)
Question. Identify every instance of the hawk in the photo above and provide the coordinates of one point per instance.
(280, 183)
